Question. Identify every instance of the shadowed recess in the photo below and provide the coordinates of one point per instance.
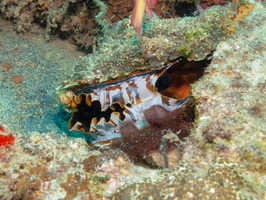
(175, 81)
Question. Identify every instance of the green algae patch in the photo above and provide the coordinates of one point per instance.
(185, 50)
(100, 177)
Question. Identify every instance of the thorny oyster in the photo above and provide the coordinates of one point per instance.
(105, 107)
(102, 102)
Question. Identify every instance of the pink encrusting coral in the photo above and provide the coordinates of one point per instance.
(138, 12)
(5, 139)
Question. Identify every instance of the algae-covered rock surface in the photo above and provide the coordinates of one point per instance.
(224, 157)
(162, 40)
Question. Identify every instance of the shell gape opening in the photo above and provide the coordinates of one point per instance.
(175, 81)
(106, 107)
(87, 113)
